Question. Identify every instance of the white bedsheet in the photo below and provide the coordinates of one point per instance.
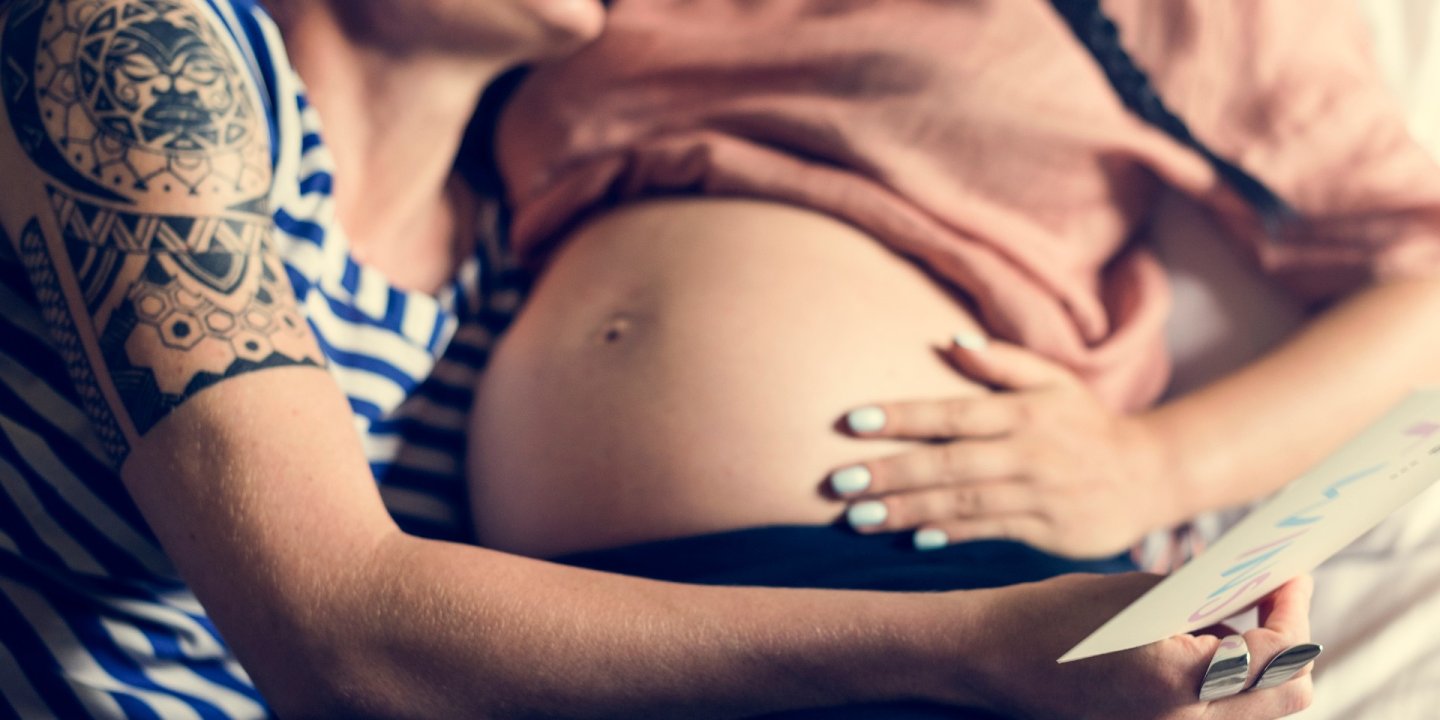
(1377, 605)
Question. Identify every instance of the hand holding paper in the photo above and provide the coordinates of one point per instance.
(1302, 525)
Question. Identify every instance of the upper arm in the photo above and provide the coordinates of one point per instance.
(136, 161)
(138, 154)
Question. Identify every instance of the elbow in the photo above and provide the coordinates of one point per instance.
(331, 686)
(326, 697)
(366, 639)
(316, 682)
(312, 655)
(373, 695)
(355, 647)
(310, 701)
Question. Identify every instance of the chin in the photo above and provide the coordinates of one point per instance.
(567, 24)
(514, 30)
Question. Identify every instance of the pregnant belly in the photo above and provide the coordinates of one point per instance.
(681, 367)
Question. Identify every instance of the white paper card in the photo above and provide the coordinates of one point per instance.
(1311, 519)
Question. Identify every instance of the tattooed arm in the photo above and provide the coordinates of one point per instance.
(141, 212)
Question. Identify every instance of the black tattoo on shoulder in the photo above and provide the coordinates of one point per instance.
(133, 97)
(175, 304)
(186, 280)
(158, 166)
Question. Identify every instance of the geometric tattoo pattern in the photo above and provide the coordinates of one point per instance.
(137, 97)
(35, 256)
(154, 272)
(199, 287)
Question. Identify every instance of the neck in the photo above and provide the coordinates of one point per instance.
(393, 125)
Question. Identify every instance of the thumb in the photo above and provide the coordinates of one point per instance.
(1004, 365)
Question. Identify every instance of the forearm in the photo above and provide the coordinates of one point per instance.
(459, 631)
(1247, 434)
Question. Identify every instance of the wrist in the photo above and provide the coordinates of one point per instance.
(955, 650)
(1174, 495)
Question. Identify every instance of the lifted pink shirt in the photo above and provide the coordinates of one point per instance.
(982, 140)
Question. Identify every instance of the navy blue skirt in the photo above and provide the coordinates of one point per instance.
(834, 557)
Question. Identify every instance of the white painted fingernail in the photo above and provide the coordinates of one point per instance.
(866, 419)
(852, 479)
(931, 539)
(970, 340)
(866, 514)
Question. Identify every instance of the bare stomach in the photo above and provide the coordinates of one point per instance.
(681, 367)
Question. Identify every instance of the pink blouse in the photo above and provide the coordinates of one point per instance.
(979, 138)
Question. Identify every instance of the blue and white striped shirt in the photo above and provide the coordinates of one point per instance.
(94, 620)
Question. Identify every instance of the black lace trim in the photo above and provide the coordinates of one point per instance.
(1099, 34)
